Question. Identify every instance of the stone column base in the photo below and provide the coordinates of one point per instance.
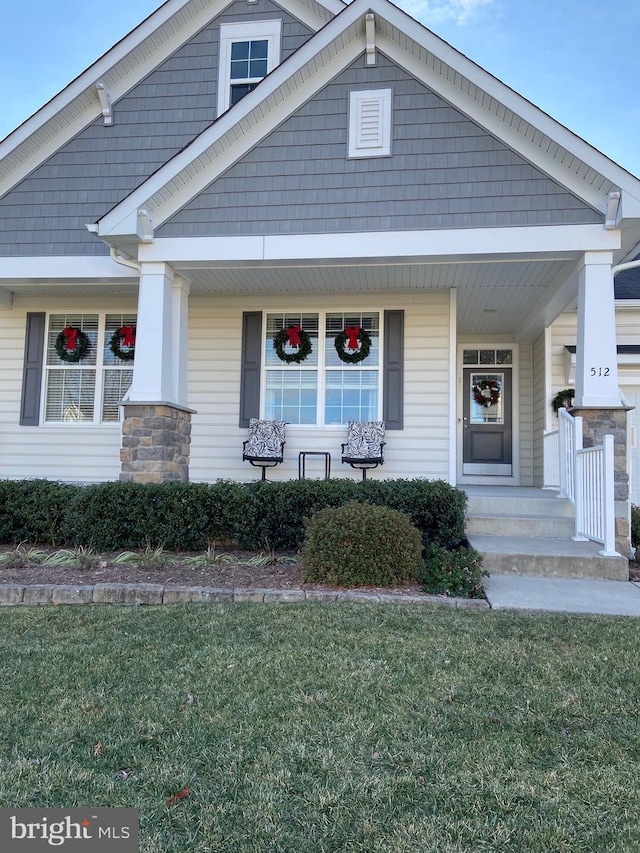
(155, 443)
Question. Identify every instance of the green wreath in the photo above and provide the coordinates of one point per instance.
(563, 399)
(125, 336)
(72, 344)
(296, 337)
(350, 335)
(487, 392)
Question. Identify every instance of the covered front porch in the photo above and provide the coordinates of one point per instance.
(477, 300)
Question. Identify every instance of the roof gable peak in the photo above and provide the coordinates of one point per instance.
(118, 71)
(482, 97)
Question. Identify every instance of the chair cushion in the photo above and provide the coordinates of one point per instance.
(265, 439)
(364, 440)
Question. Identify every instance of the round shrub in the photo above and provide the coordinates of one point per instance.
(457, 573)
(360, 544)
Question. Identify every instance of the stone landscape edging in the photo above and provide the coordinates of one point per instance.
(153, 594)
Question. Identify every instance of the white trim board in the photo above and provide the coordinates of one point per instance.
(543, 242)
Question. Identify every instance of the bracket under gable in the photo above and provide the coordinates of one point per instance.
(370, 34)
(105, 102)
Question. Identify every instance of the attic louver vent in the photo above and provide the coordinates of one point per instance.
(370, 131)
(370, 123)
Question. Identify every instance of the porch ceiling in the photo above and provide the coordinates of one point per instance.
(493, 297)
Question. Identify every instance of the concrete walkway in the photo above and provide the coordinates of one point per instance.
(563, 595)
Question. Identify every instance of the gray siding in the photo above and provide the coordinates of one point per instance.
(47, 212)
(444, 172)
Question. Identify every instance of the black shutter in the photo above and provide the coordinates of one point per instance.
(32, 370)
(393, 367)
(250, 366)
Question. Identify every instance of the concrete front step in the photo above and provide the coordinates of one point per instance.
(515, 555)
(532, 503)
(546, 526)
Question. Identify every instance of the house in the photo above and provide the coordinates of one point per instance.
(230, 170)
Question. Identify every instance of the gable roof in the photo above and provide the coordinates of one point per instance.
(544, 142)
(120, 69)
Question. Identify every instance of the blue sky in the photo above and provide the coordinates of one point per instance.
(578, 60)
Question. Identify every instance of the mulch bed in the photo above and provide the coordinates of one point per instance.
(283, 574)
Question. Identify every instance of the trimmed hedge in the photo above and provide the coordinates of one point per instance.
(188, 516)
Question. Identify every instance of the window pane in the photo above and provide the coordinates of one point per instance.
(116, 385)
(87, 323)
(336, 323)
(239, 50)
(351, 396)
(114, 322)
(238, 92)
(504, 356)
(258, 49)
(239, 69)
(486, 398)
(258, 68)
(291, 396)
(277, 322)
(70, 394)
(248, 60)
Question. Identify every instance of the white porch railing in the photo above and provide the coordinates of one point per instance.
(584, 475)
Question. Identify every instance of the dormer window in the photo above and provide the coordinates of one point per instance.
(248, 52)
(248, 67)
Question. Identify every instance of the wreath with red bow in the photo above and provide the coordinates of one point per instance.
(72, 344)
(353, 344)
(123, 343)
(487, 392)
(296, 338)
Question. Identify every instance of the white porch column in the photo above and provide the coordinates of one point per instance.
(153, 366)
(156, 428)
(180, 333)
(596, 352)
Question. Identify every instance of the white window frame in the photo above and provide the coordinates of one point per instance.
(370, 112)
(269, 31)
(321, 368)
(100, 367)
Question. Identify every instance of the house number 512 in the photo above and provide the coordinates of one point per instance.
(599, 371)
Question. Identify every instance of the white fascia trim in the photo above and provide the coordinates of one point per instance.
(65, 268)
(194, 178)
(451, 243)
(508, 97)
(541, 242)
(102, 69)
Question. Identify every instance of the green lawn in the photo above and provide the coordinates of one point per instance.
(303, 728)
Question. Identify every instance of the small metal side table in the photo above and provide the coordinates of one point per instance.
(302, 458)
